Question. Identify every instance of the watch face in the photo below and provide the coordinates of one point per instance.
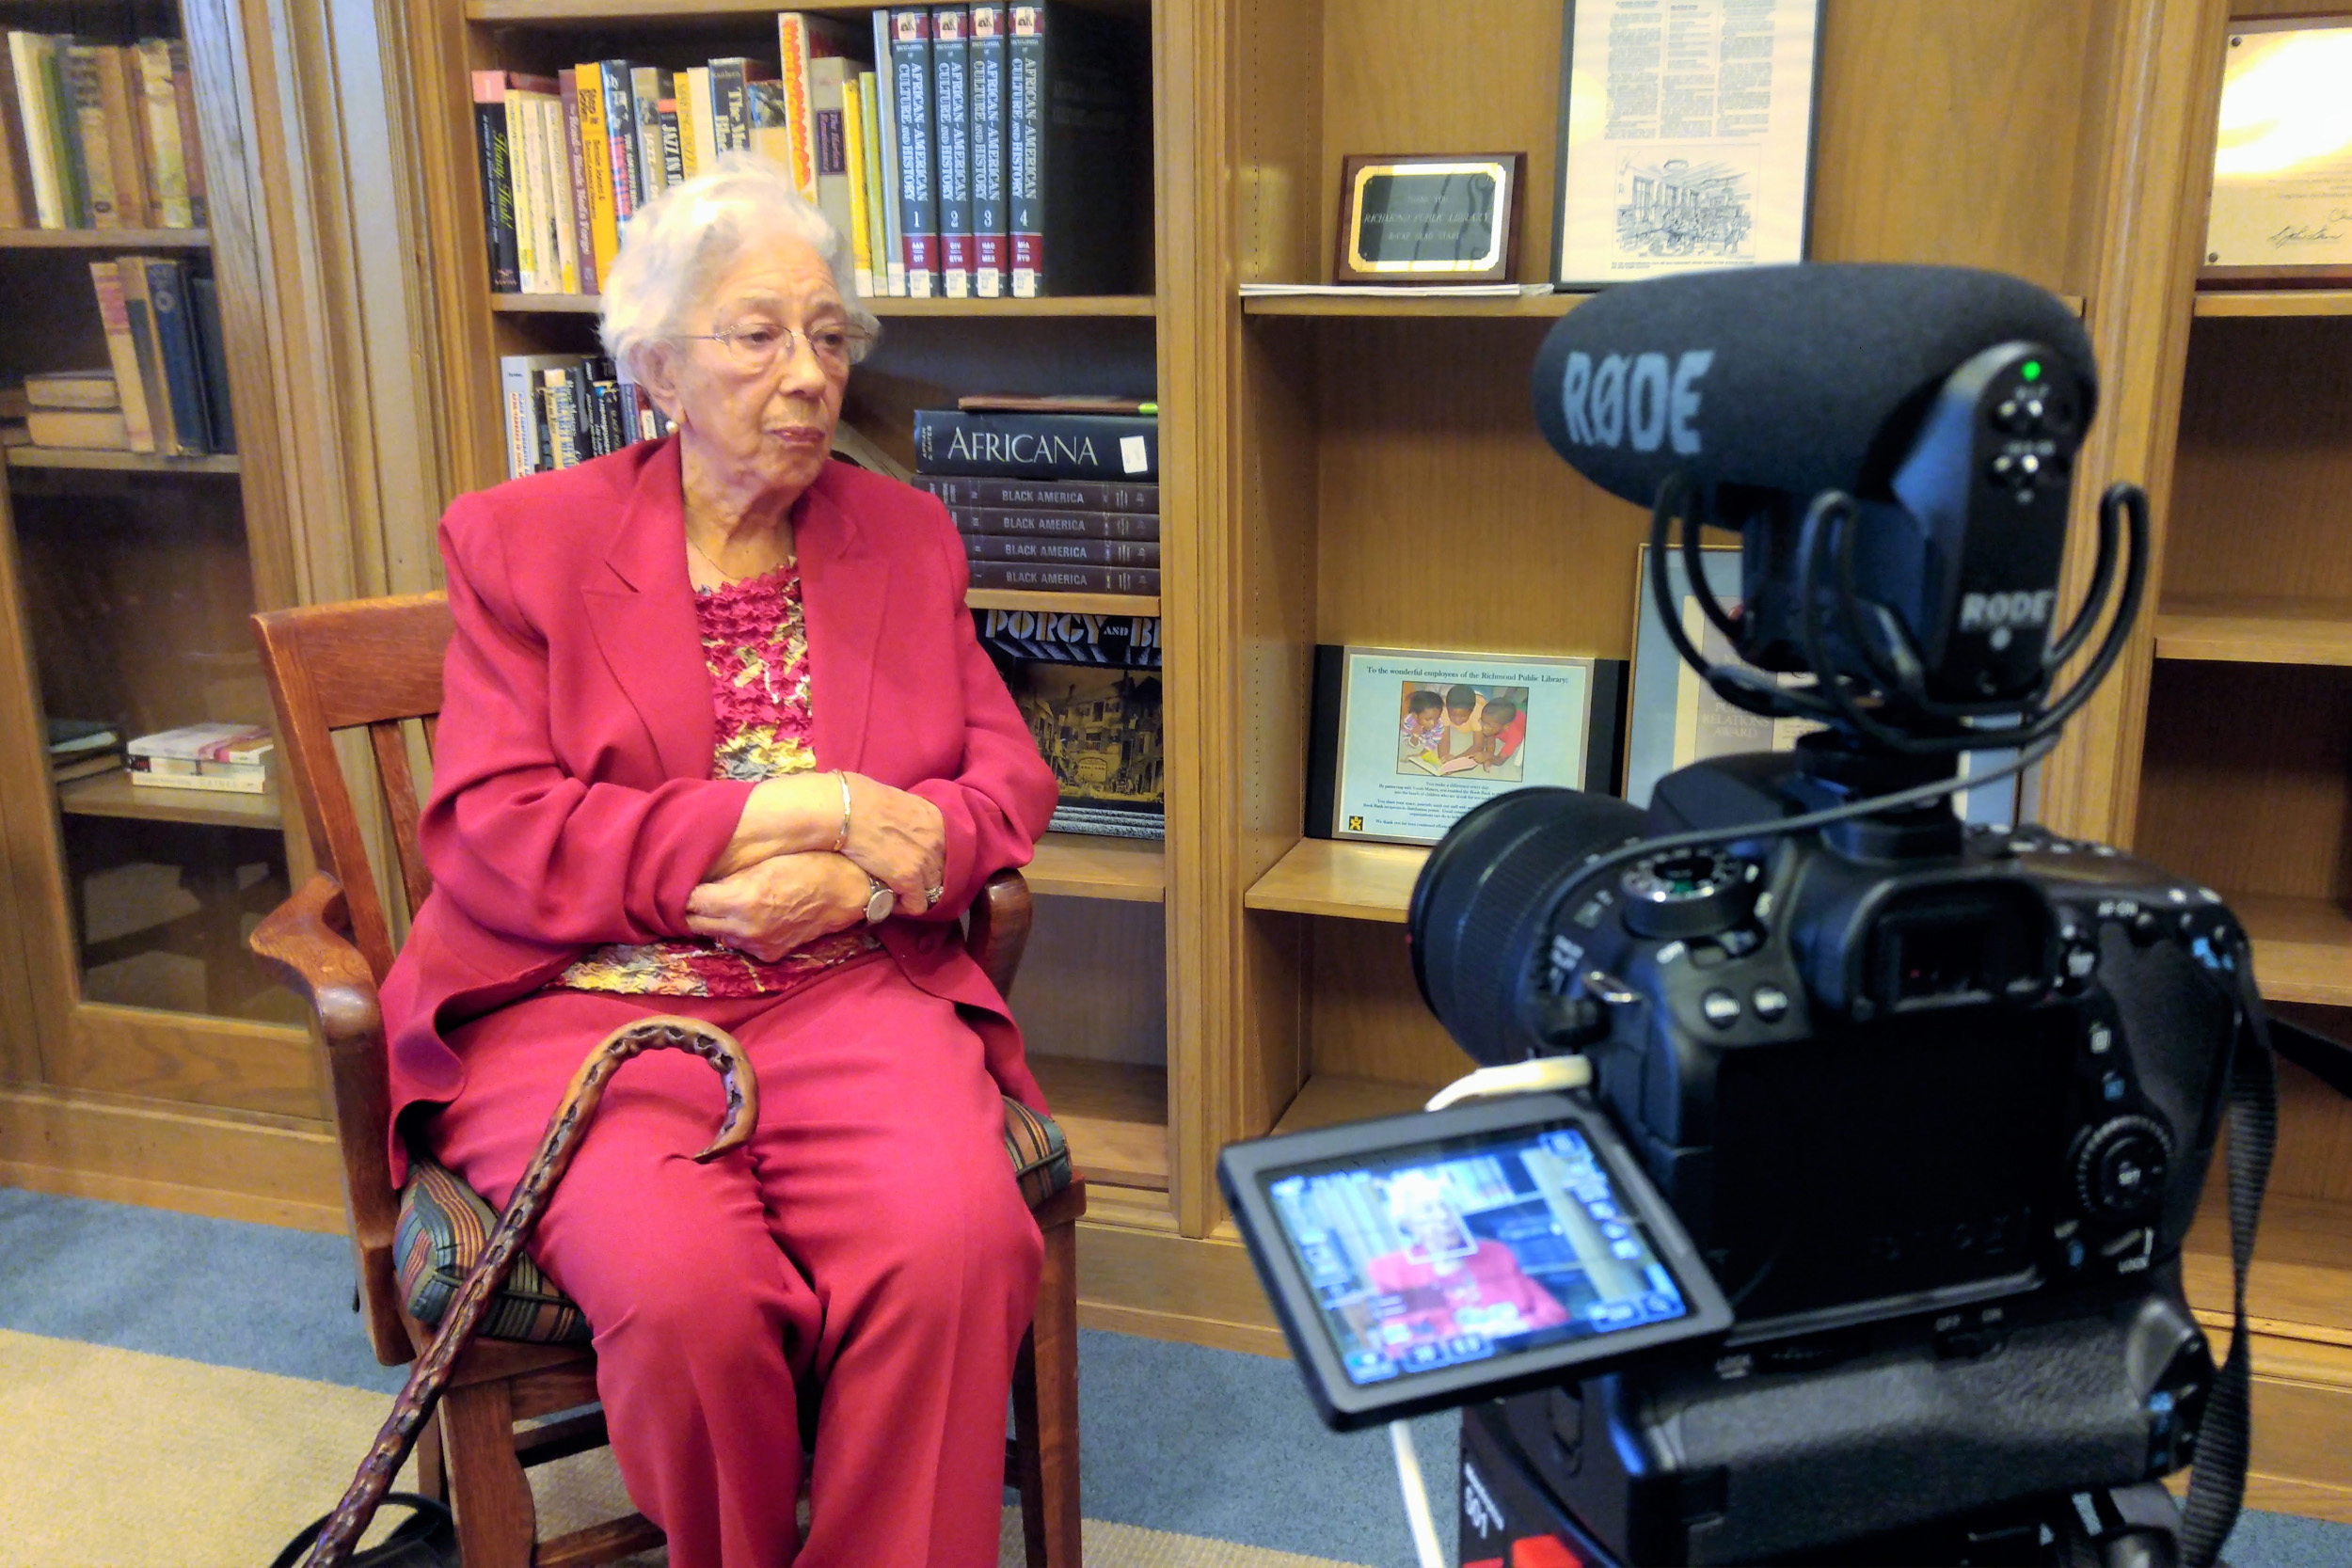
(879, 903)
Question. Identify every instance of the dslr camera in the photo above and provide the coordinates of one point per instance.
(1851, 1223)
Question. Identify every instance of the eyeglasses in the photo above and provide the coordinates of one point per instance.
(755, 346)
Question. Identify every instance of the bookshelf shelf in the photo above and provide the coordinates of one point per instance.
(2248, 631)
(119, 462)
(113, 795)
(105, 239)
(1329, 1099)
(1069, 304)
(2273, 302)
(1340, 879)
(1062, 604)
(1471, 308)
(1114, 1114)
(2302, 946)
(1083, 865)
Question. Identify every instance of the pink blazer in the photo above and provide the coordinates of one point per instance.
(572, 800)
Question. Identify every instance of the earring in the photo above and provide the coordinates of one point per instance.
(669, 427)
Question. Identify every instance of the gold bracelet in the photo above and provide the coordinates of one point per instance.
(841, 840)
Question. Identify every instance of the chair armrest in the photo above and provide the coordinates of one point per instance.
(304, 941)
(998, 928)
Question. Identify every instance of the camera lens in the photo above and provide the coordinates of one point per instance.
(1479, 906)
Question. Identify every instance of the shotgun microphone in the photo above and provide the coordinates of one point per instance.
(1799, 379)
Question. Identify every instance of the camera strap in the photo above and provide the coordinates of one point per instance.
(2217, 1485)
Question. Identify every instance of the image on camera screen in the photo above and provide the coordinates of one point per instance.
(1434, 1260)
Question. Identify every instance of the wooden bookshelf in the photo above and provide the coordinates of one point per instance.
(2273, 302)
(2302, 946)
(120, 462)
(105, 239)
(113, 795)
(544, 13)
(1329, 1099)
(1086, 865)
(1467, 308)
(1062, 604)
(1115, 1115)
(2248, 631)
(983, 310)
(1342, 879)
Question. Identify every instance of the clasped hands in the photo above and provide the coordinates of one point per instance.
(780, 884)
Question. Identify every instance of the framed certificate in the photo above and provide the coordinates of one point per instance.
(1686, 137)
(1405, 741)
(1446, 219)
(2281, 209)
(1675, 719)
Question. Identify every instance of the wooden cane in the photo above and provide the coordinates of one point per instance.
(556, 1146)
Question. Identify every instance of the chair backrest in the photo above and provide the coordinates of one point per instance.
(373, 662)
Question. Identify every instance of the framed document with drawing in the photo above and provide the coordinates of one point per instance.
(1675, 719)
(1405, 741)
(1686, 137)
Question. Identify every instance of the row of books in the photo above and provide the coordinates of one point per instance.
(566, 408)
(231, 758)
(1047, 503)
(99, 135)
(166, 390)
(965, 150)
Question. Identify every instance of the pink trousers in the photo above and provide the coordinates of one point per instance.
(867, 1254)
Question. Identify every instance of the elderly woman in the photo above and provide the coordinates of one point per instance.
(719, 740)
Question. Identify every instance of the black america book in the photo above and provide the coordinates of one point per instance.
(1034, 495)
(1089, 688)
(1114, 448)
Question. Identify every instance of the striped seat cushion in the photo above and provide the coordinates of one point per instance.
(444, 1225)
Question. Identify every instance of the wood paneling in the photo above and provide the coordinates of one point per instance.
(2259, 502)
(268, 1170)
(228, 1063)
(1444, 519)
(2248, 779)
(1367, 1017)
(1948, 133)
(1093, 981)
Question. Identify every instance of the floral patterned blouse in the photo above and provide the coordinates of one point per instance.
(755, 645)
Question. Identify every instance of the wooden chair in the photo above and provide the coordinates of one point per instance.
(377, 663)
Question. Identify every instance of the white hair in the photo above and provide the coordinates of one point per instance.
(1412, 1190)
(677, 249)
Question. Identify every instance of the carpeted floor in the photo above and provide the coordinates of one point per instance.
(177, 1390)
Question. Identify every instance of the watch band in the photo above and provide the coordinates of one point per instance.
(841, 839)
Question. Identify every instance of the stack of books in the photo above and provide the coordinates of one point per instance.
(97, 135)
(231, 758)
(79, 748)
(170, 365)
(76, 408)
(965, 151)
(1048, 499)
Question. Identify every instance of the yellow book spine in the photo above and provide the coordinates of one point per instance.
(861, 222)
(596, 161)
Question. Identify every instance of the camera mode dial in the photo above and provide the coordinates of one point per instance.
(2120, 1167)
(1687, 893)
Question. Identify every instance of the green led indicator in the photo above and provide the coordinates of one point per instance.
(2030, 370)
